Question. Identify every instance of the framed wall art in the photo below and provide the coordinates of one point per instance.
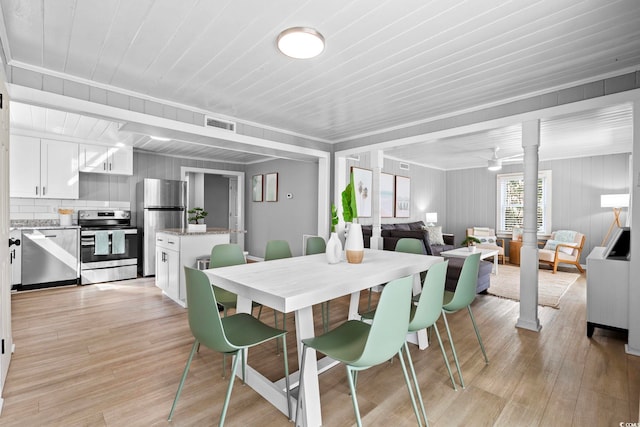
(271, 187)
(403, 197)
(256, 188)
(362, 181)
(387, 195)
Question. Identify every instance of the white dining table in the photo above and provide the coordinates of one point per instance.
(296, 285)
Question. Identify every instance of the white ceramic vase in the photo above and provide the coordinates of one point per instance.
(334, 249)
(354, 246)
(472, 248)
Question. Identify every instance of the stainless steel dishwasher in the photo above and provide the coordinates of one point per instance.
(50, 257)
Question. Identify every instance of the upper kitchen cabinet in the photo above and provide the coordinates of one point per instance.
(102, 159)
(43, 168)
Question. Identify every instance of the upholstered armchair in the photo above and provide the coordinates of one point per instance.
(564, 246)
(488, 239)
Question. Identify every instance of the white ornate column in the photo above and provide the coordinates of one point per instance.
(529, 253)
(377, 162)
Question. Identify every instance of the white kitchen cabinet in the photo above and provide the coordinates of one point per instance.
(109, 160)
(168, 265)
(176, 249)
(43, 168)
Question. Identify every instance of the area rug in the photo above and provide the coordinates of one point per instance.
(551, 287)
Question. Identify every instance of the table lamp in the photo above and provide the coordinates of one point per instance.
(432, 218)
(617, 202)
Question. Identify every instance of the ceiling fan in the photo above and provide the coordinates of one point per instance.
(495, 162)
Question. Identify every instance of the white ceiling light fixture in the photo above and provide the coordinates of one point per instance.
(301, 42)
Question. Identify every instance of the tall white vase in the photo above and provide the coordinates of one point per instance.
(334, 249)
(354, 246)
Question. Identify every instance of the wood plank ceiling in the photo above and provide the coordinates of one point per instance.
(386, 63)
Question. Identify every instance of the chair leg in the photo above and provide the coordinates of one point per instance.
(354, 400)
(444, 356)
(453, 348)
(475, 327)
(195, 346)
(416, 385)
(225, 406)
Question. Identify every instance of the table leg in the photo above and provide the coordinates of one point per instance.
(311, 414)
(354, 304)
(495, 264)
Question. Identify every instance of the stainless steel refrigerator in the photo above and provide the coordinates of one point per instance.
(164, 206)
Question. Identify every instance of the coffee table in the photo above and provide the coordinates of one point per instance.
(465, 252)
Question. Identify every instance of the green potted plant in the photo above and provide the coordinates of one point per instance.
(354, 245)
(470, 242)
(195, 215)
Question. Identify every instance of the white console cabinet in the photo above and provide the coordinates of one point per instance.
(177, 249)
(607, 292)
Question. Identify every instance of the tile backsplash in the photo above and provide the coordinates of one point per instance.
(47, 209)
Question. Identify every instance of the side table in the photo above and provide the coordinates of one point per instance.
(514, 251)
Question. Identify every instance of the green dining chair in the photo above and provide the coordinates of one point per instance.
(317, 245)
(410, 245)
(462, 297)
(359, 345)
(424, 315)
(277, 249)
(232, 335)
(225, 255)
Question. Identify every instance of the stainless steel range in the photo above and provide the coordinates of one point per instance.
(108, 246)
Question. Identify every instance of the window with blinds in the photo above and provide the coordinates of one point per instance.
(511, 202)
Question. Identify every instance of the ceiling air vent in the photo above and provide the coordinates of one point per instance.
(404, 166)
(220, 124)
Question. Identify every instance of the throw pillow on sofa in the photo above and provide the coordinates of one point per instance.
(435, 235)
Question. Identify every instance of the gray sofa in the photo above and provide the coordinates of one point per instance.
(391, 233)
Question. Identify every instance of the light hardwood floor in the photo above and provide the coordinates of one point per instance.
(112, 355)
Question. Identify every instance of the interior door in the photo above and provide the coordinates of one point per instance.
(6, 344)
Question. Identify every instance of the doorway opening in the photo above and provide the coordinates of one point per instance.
(221, 194)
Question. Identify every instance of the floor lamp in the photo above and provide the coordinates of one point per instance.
(617, 202)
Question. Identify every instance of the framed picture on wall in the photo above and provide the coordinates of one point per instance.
(403, 197)
(362, 181)
(256, 188)
(271, 187)
(387, 195)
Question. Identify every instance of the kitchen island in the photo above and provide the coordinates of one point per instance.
(176, 248)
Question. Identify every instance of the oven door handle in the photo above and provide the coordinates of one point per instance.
(87, 241)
